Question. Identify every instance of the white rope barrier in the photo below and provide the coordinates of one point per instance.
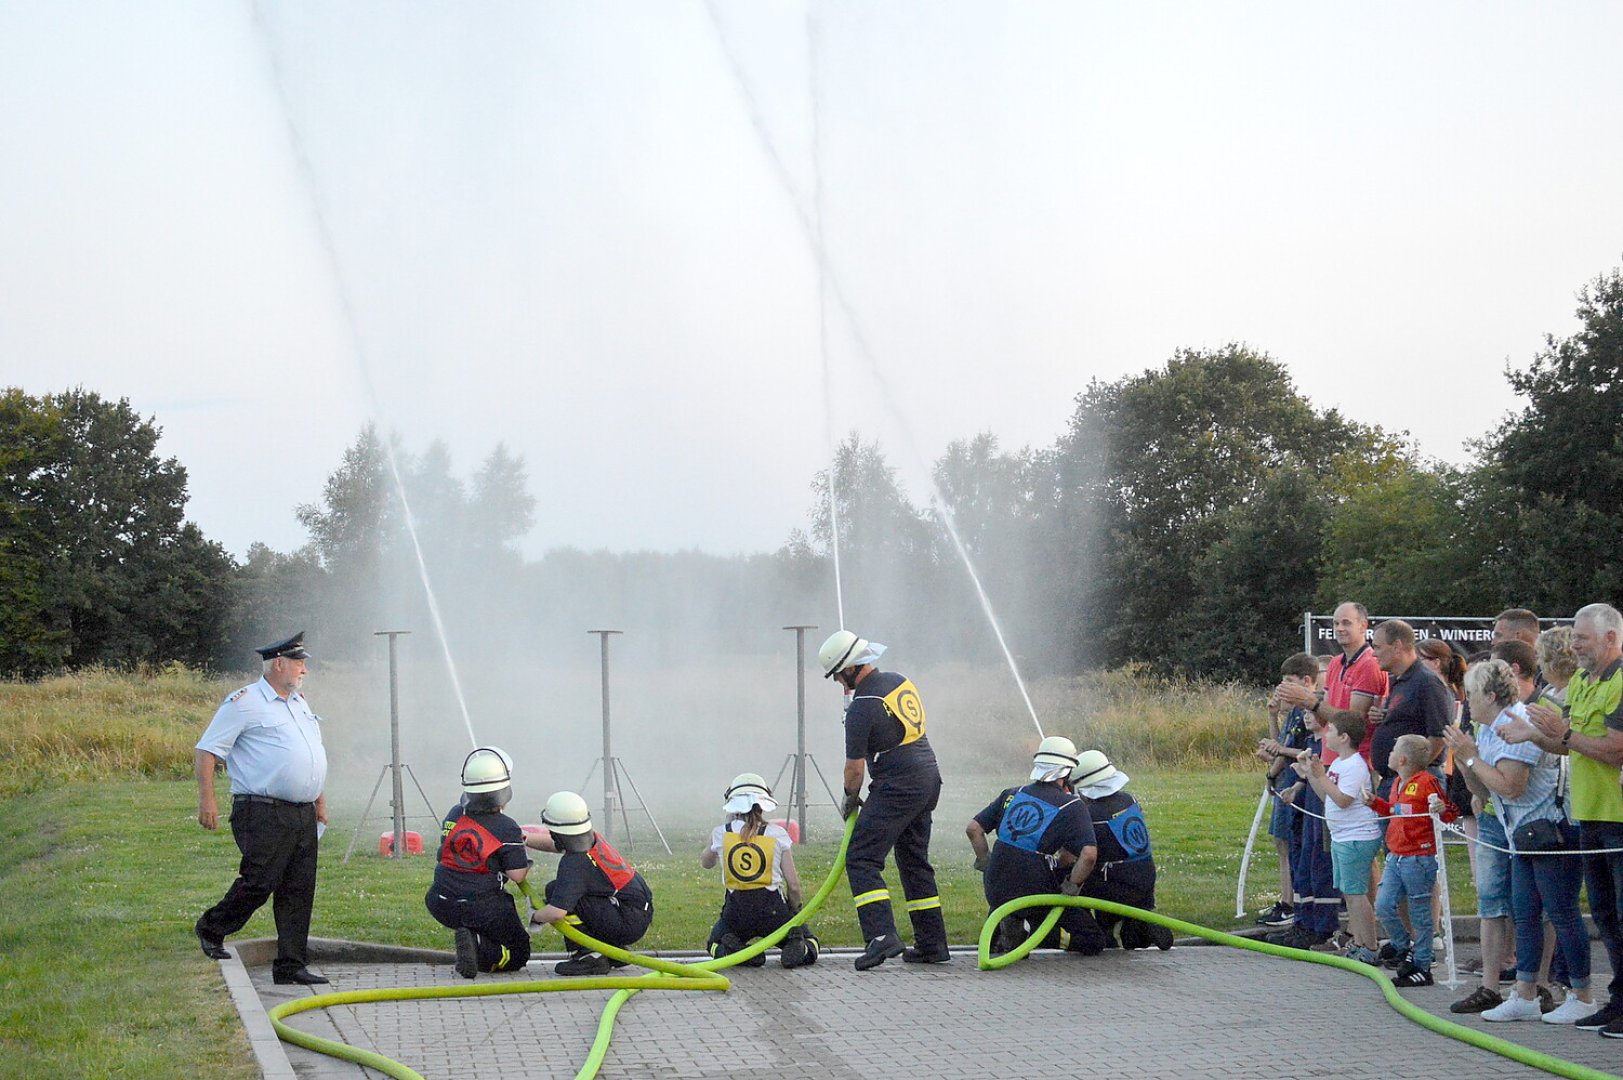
(1440, 829)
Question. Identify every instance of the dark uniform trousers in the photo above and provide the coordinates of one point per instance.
(1130, 883)
(615, 920)
(498, 932)
(1076, 921)
(899, 819)
(750, 913)
(278, 845)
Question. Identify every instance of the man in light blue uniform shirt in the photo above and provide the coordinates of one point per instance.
(270, 743)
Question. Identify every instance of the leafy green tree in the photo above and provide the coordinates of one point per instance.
(31, 639)
(1147, 476)
(273, 595)
(886, 545)
(101, 566)
(501, 510)
(1551, 490)
(1399, 541)
(993, 499)
(365, 562)
(356, 532)
(439, 502)
(1254, 582)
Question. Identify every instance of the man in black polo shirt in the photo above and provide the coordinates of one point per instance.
(1417, 702)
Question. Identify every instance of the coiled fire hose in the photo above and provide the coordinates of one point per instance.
(663, 975)
(987, 962)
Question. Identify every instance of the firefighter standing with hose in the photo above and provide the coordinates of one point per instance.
(884, 737)
(596, 889)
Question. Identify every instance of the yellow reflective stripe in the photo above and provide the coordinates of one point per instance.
(925, 904)
(871, 896)
(572, 920)
(501, 965)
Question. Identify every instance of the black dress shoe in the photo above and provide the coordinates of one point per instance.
(303, 976)
(213, 947)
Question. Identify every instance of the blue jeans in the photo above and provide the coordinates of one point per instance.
(1492, 869)
(1410, 876)
(1603, 874)
(1548, 885)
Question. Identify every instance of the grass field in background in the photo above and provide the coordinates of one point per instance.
(103, 868)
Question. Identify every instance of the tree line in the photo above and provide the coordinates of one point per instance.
(1185, 518)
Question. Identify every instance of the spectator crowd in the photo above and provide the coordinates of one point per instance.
(1517, 748)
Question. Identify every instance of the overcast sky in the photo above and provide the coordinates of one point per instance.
(559, 228)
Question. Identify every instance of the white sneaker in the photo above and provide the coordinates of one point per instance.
(1516, 1007)
(1571, 1011)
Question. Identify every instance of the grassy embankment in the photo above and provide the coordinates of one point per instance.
(103, 868)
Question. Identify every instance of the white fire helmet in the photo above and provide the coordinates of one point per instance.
(1092, 769)
(748, 790)
(486, 769)
(1054, 759)
(566, 814)
(839, 652)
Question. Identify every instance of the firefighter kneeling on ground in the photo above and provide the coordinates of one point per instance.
(763, 886)
(596, 890)
(1044, 833)
(1125, 872)
(481, 848)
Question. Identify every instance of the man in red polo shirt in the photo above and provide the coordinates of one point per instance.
(1355, 681)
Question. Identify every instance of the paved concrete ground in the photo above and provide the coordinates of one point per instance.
(1190, 1013)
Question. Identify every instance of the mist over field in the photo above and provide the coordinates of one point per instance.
(702, 683)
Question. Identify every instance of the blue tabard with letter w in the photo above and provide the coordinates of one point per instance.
(1025, 819)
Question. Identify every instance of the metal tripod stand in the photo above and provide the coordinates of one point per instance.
(614, 770)
(799, 759)
(399, 846)
(397, 802)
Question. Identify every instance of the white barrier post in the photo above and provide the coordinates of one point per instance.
(1245, 860)
(1452, 982)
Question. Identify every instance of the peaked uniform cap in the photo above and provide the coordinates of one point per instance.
(292, 648)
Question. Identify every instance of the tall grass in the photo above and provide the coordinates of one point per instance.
(101, 724)
(1136, 717)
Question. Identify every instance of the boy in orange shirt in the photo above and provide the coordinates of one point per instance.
(1411, 862)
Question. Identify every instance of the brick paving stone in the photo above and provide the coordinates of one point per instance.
(1187, 1013)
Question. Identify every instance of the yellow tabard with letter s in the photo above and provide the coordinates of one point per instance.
(905, 705)
(747, 863)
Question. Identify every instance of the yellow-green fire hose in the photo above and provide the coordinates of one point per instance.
(663, 975)
(1526, 1056)
(705, 975)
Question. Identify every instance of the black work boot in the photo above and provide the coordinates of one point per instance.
(467, 953)
(879, 950)
(725, 945)
(929, 937)
(1010, 932)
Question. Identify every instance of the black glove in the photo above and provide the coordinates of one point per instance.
(853, 803)
(1070, 888)
(980, 862)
